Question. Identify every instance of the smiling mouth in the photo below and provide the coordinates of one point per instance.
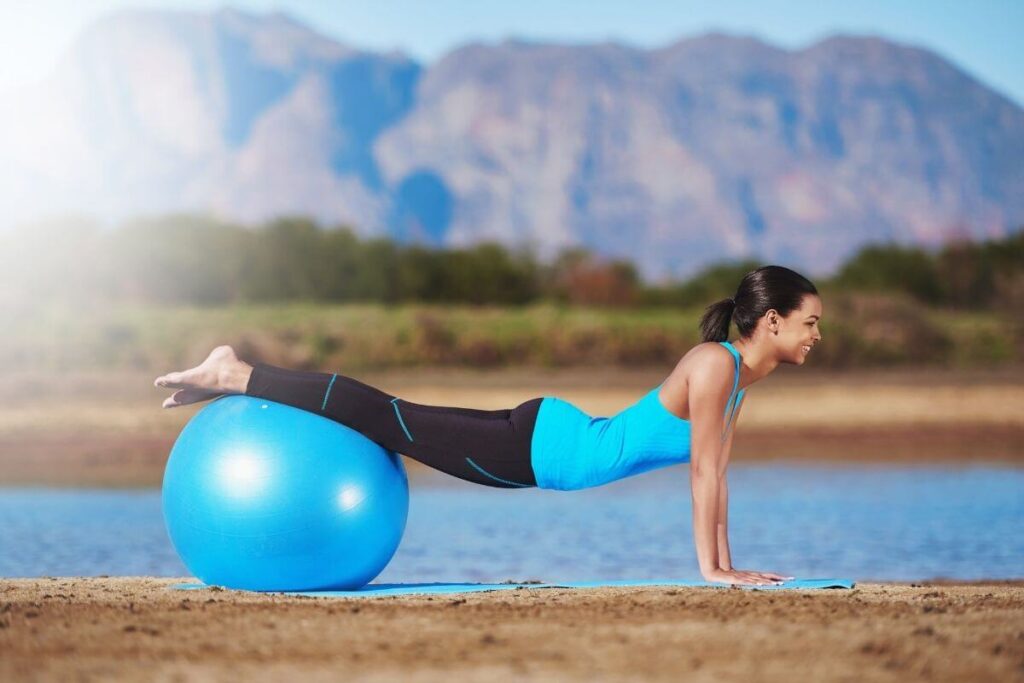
(805, 349)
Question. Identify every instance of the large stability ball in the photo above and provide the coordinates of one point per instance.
(262, 496)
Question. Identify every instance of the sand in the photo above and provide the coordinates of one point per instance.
(110, 629)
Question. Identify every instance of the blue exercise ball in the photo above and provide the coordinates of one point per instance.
(262, 496)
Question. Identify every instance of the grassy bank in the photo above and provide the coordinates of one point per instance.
(859, 331)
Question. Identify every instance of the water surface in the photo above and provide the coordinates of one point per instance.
(861, 522)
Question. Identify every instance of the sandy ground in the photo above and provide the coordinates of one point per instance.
(107, 429)
(108, 629)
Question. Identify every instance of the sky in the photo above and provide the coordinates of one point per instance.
(981, 37)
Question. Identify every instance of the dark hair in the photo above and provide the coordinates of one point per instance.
(767, 287)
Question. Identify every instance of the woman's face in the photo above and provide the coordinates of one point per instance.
(799, 330)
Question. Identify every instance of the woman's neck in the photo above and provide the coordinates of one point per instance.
(758, 362)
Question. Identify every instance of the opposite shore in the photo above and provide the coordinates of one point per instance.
(108, 429)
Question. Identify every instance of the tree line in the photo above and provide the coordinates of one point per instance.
(191, 260)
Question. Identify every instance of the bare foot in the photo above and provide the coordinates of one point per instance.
(221, 373)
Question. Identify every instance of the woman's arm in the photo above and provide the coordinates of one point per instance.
(724, 556)
(708, 393)
(709, 387)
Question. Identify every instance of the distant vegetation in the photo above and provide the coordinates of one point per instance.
(186, 260)
(152, 292)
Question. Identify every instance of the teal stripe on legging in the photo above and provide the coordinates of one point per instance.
(333, 377)
(400, 420)
(488, 474)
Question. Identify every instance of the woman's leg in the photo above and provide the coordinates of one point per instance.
(490, 447)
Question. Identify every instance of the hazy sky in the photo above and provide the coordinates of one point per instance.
(983, 37)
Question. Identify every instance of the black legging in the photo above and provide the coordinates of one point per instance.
(489, 447)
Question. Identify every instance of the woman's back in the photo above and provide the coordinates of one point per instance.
(572, 450)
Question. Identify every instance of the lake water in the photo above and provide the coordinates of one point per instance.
(864, 523)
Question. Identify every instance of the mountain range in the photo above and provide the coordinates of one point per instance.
(712, 147)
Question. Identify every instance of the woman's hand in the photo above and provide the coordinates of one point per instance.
(743, 577)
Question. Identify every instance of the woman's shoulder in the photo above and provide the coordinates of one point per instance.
(705, 362)
(709, 357)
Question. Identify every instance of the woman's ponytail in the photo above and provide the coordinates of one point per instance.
(714, 325)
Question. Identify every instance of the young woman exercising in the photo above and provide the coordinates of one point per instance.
(550, 443)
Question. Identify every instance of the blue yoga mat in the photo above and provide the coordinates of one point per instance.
(373, 590)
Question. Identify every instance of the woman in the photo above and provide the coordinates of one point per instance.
(549, 443)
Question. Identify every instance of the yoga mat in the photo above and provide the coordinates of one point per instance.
(373, 590)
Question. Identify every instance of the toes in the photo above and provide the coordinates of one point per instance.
(174, 380)
(179, 398)
(185, 396)
(169, 378)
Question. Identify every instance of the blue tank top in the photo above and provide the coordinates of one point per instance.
(571, 450)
